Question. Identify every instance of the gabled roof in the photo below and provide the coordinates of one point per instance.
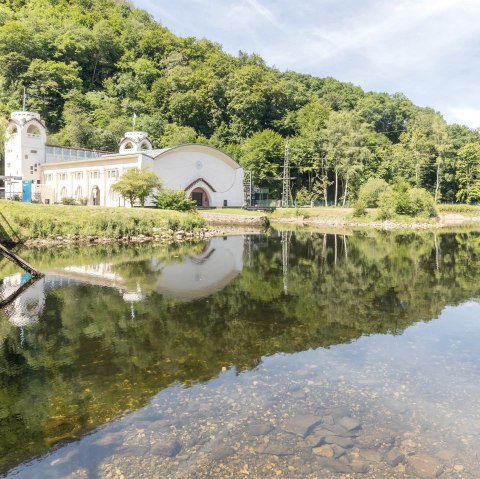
(200, 180)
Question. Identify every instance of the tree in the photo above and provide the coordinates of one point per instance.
(137, 184)
(262, 154)
(468, 173)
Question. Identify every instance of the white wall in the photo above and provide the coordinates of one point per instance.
(181, 166)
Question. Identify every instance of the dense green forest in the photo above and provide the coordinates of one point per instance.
(88, 65)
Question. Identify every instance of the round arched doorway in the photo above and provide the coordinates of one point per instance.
(95, 196)
(199, 195)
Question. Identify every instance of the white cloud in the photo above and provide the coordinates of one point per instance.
(427, 49)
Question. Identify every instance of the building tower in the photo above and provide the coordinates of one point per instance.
(25, 142)
(135, 142)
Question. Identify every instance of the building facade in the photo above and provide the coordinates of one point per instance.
(209, 176)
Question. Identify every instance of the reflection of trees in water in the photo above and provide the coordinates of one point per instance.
(87, 361)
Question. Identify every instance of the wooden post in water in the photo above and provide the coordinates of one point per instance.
(10, 255)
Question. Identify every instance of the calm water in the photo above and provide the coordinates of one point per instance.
(288, 355)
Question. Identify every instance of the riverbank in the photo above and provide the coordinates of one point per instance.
(449, 216)
(42, 225)
(53, 223)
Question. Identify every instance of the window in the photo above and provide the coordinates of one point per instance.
(77, 175)
(33, 151)
(94, 175)
(33, 131)
(63, 193)
(78, 193)
(112, 174)
(62, 176)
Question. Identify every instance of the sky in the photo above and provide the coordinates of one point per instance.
(427, 49)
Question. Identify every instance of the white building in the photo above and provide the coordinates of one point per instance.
(206, 174)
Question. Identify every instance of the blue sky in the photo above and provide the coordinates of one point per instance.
(427, 49)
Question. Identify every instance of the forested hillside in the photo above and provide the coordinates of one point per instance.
(88, 65)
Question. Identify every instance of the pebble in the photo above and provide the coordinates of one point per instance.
(395, 457)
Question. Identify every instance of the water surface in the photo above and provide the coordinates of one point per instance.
(287, 355)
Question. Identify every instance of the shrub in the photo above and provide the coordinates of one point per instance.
(174, 200)
(360, 207)
(403, 200)
(369, 192)
(304, 197)
(83, 201)
(67, 200)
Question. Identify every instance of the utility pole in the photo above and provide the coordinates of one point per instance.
(286, 189)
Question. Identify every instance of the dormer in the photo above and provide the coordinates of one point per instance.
(135, 142)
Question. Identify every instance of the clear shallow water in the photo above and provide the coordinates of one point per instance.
(282, 356)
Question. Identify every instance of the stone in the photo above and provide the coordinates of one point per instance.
(109, 439)
(370, 455)
(458, 468)
(349, 423)
(132, 450)
(167, 448)
(337, 430)
(394, 457)
(334, 465)
(425, 466)
(325, 451)
(275, 449)
(258, 429)
(344, 442)
(302, 424)
(359, 467)
(221, 452)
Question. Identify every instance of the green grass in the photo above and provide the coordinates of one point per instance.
(33, 221)
(468, 210)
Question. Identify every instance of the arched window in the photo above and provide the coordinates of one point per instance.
(33, 131)
(128, 146)
(78, 193)
(63, 193)
(12, 130)
(144, 145)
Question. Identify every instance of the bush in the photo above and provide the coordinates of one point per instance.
(174, 200)
(67, 200)
(304, 197)
(360, 207)
(403, 200)
(369, 192)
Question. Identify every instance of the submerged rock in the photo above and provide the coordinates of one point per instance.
(425, 466)
(167, 448)
(302, 424)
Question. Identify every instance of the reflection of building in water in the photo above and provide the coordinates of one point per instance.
(203, 274)
(194, 276)
(28, 306)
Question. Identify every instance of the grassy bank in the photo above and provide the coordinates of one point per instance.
(33, 221)
(448, 216)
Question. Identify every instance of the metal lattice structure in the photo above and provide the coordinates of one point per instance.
(247, 189)
(286, 180)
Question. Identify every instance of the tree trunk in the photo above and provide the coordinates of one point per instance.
(336, 186)
(437, 186)
(345, 192)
